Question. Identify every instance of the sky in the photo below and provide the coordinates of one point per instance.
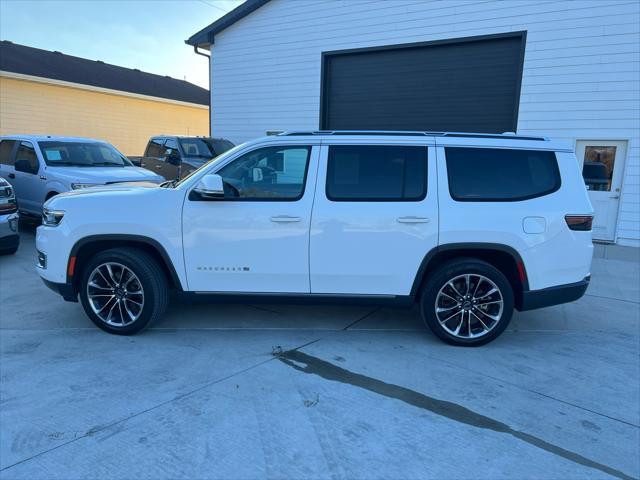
(144, 34)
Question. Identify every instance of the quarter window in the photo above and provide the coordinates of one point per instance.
(6, 148)
(376, 173)
(500, 175)
(272, 173)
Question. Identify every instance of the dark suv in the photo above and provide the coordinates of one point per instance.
(174, 157)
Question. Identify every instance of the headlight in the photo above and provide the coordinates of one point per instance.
(52, 218)
(77, 186)
(5, 191)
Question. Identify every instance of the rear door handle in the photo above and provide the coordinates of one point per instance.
(284, 219)
(412, 219)
(158, 166)
(12, 175)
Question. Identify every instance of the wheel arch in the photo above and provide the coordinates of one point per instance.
(86, 247)
(503, 257)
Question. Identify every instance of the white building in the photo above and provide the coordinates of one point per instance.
(566, 69)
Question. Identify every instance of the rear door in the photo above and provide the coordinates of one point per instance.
(6, 159)
(153, 155)
(375, 216)
(28, 185)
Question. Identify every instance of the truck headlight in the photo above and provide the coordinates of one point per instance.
(52, 218)
(78, 186)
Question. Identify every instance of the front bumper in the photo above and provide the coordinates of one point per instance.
(9, 237)
(547, 297)
(67, 290)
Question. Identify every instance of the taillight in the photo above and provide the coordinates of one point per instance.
(579, 222)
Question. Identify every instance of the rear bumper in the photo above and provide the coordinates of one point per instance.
(65, 289)
(547, 297)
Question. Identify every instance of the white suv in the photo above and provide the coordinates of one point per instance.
(471, 226)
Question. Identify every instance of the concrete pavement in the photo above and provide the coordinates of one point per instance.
(369, 393)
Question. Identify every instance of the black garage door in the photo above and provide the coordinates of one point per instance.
(466, 85)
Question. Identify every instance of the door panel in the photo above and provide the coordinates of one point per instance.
(259, 241)
(602, 170)
(360, 244)
(27, 184)
(153, 156)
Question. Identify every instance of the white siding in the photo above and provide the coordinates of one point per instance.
(581, 74)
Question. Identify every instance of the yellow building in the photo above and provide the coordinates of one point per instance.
(49, 93)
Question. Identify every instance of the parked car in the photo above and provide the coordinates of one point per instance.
(470, 226)
(174, 157)
(9, 238)
(40, 167)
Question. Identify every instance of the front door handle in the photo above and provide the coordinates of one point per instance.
(412, 219)
(158, 167)
(285, 219)
(12, 175)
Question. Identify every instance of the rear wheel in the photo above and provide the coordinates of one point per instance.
(467, 302)
(123, 290)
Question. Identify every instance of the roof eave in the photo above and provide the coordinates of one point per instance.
(205, 37)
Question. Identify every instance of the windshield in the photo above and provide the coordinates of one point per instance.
(219, 158)
(82, 154)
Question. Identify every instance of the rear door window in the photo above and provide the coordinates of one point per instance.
(500, 175)
(376, 173)
(6, 151)
(26, 158)
(154, 149)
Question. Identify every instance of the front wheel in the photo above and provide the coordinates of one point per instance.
(467, 302)
(123, 290)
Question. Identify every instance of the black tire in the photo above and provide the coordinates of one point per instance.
(454, 269)
(9, 251)
(151, 278)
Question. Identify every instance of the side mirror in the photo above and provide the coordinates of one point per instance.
(23, 165)
(210, 187)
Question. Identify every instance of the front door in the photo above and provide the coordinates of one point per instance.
(375, 217)
(602, 170)
(256, 239)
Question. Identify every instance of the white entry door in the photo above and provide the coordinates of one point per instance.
(602, 168)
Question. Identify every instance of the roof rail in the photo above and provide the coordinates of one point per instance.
(403, 133)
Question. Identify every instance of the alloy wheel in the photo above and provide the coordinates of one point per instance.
(469, 306)
(115, 294)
